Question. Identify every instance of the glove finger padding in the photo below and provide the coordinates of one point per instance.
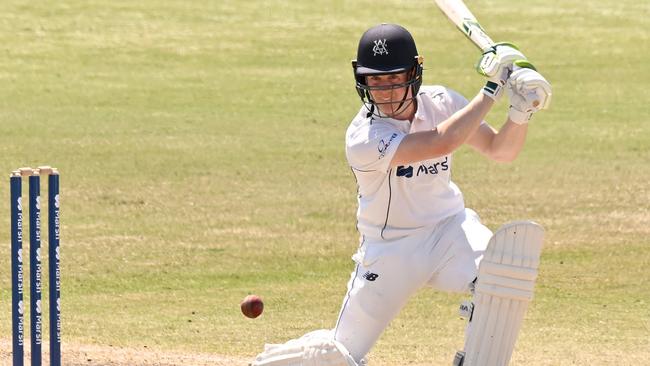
(497, 64)
(528, 92)
(530, 82)
(502, 55)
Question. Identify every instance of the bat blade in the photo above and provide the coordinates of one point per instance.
(466, 22)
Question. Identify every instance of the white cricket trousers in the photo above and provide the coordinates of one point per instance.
(388, 273)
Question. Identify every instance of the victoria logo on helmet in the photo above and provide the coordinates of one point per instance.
(380, 47)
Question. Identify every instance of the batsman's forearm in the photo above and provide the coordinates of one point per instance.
(464, 123)
(508, 142)
(446, 137)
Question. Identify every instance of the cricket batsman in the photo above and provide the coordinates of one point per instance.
(415, 230)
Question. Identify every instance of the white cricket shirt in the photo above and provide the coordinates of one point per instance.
(396, 202)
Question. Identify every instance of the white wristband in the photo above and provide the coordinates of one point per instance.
(518, 116)
(492, 90)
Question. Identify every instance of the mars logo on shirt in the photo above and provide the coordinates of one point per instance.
(423, 169)
(403, 171)
(433, 168)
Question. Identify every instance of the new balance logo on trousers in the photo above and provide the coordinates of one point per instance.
(370, 276)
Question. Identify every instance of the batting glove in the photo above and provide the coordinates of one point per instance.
(496, 64)
(529, 92)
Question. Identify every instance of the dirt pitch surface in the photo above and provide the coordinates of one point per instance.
(93, 355)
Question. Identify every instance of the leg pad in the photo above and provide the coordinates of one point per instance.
(505, 286)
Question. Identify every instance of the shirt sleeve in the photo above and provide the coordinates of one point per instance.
(373, 146)
(456, 101)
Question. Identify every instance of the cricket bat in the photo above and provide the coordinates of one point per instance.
(466, 22)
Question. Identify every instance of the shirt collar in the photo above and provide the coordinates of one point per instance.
(420, 112)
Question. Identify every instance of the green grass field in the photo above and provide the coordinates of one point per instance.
(201, 152)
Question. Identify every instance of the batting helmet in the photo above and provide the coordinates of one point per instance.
(386, 49)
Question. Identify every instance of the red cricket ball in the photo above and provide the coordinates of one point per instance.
(252, 306)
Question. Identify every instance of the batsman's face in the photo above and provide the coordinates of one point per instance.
(388, 92)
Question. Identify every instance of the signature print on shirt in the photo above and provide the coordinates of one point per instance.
(383, 145)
